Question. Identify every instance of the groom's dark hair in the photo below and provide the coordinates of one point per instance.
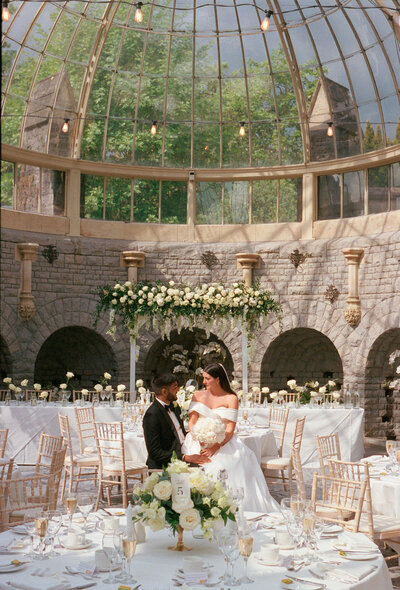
(163, 380)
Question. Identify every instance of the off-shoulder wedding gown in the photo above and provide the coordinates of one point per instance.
(239, 461)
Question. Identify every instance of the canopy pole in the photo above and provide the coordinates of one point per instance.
(244, 361)
(132, 379)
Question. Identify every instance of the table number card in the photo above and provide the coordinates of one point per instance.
(180, 491)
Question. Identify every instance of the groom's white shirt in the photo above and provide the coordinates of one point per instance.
(175, 421)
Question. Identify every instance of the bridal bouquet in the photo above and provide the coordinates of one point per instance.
(208, 431)
(183, 497)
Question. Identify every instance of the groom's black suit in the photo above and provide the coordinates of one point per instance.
(160, 435)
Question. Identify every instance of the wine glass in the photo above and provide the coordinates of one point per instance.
(41, 524)
(103, 394)
(228, 544)
(295, 529)
(85, 504)
(54, 518)
(245, 545)
(29, 524)
(111, 544)
(128, 542)
(308, 529)
(70, 503)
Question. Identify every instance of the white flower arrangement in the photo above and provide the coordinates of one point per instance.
(265, 390)
(139, 383)
(37, 386)
(44, 395)
(208, 431)
(292, 383)
(120, 391)
(235, 385)
(69, 375)
(208, 503)
(107, 376)
(98, 387)
(273, 395)
(7, 380)
(24, 382)
(85, 392)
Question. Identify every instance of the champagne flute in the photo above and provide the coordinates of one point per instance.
(128, 541)
(111, 544)
(227, 540)
(70, 503)
(41, 524)
(29, 523)
(85, 504)
(245, 544)
(308, 528)
(54, 518)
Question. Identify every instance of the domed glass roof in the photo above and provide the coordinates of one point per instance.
(199, 69)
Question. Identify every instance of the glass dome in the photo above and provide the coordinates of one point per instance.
(199, 71)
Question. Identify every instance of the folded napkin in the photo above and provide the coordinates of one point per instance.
(354, 570)
(37, 585)
(356, 541)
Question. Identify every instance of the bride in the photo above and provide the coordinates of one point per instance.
(220, 402)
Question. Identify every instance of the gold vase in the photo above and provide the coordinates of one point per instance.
(180, 545)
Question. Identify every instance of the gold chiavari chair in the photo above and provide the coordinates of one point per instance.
(3, 442)
(85, 426)
(6, 470)
(277, 422)
(290, 397)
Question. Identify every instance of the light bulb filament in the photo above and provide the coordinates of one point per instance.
(265, 23)
(153, 128)
(138, 12)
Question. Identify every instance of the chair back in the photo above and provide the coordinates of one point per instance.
(298, 433)
(328, 447)
(110, 443)
(3, 442)
(277, 422)
(290, 397)
(56, 471)
(298, 472)
(6, 470)
(48, 445)
(3, 393)
(66, 435)
(85, 425)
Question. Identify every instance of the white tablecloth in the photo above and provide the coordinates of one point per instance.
(385, 489)
(154, 566)
(348, 423)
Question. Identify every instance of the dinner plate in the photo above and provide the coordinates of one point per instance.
(352, 548)
(358, 556)
(10, 567)
(19, 530)
(85, 545)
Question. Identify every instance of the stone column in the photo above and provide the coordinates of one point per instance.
(133, 260)
(352, 313)
(26, 253)
(247, 262)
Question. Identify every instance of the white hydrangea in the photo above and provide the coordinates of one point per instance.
(208, 431)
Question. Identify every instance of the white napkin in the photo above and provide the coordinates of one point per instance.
(373, 459)
(354, 542)
(354, 570)
(28, 585)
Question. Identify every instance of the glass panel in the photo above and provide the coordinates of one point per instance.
(378, 189)
(329, 196)
(125, 87)
(62, 35)
(118, 199)
(265, 144)
(92, 196)
(208, 202)
(23, 73)
(155, 59)
(98, 99)
(147, 147)
(92, 139)
(362, 83)
(8, 53)
(231, 57)
(205, 18)
(206, 57)
(324, 41)
(391, 114)
(353, 194)
(18, 26)
(145, 201)
(206, 99)
(52, 194)
(173, 202)
(38, 34)
(206, 146)
(381, 71)
(395, 187)
(151, 99)
(343, 32)
(292, 144)
(179, 100)
(391, 47)
(12, 121)
(76, 74)
(290, 201)
(7, 184)
(119, 141)
(372, 137)
(235, 148)
(180, 63)
(27, 188)
(82, 45)
(236, 202)
(177, 145)
(265, 201)
(131, 52)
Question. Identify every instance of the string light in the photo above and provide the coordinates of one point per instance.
(65, 127)
(265, 23)
(5, 12)
(242, 130)
(138, 12)
(153, 129)
(329, 131)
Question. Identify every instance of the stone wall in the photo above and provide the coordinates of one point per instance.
(65, 296)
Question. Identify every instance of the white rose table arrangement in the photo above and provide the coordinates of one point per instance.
(183, 498)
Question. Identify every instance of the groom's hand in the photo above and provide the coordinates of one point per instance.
(198, 459)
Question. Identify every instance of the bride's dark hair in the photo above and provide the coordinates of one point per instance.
(217, 370)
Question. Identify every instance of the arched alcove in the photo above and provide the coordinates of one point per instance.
(5, 359)
(163, 355)
(301, 354)
(78, 349)
(378, 375)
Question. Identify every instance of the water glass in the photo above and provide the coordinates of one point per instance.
(85, 503)
(54, 518)
(228, 544)
(111, 544)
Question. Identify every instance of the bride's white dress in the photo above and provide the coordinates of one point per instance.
(239, 461)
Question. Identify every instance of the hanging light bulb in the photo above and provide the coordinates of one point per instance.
(329, 131)
(65, 127)
(153, 129)
(242, 130)
(138, 12)
(265, 23)
(5, 12)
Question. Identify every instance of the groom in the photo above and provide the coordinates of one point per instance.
(163, 427)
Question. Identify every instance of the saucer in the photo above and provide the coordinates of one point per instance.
(85, 545)
(264, 562)
(10, 567)
(354, 556)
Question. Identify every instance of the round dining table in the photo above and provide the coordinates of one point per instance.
(156, 568)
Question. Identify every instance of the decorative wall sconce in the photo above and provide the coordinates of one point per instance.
(26, 254)
(352, 313)
(297, 258)
(209, 259)
(331, 293)
(50, 253)
(247, 262)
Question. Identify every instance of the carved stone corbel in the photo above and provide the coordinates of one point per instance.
(352, 313)
(132, 259)
(247, 262)
(26, 254)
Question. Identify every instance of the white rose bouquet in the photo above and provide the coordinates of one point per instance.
(209, 503)
(208, 431)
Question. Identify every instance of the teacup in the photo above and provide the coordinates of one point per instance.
(282, 537)
(110, 523)
(75, 537)
(269, 553)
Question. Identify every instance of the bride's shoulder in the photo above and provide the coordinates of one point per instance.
(199, 396)
(233, 402)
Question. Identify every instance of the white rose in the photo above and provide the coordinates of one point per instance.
(69, 375)
(313, 394)
(282, 392)
(109, 388)
(265, 390)
(44, 394)
(7, 380)
(85, 392)
(63, 386)
(150, 482)
(141, 390)
(234, 385)
(114, 301)
(189, 519)
(215, 512)
(98, 387)
(107, 376)
(12, 387)
(37, 386)
(119, 395)
(331, 383)
(336, 394)
(139, 383)
(273, 395)
(163, 490)
(322, 389)
(178, 467)
(24, 382)
(18, 390)
(255, 390)
(171, 283)
(291, 383)
(156, 524)
(121, 387)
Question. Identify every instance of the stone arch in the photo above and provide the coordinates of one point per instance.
(301, 354)
(78, 349)
(5, 360)
(383, 417)
(155, 363)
